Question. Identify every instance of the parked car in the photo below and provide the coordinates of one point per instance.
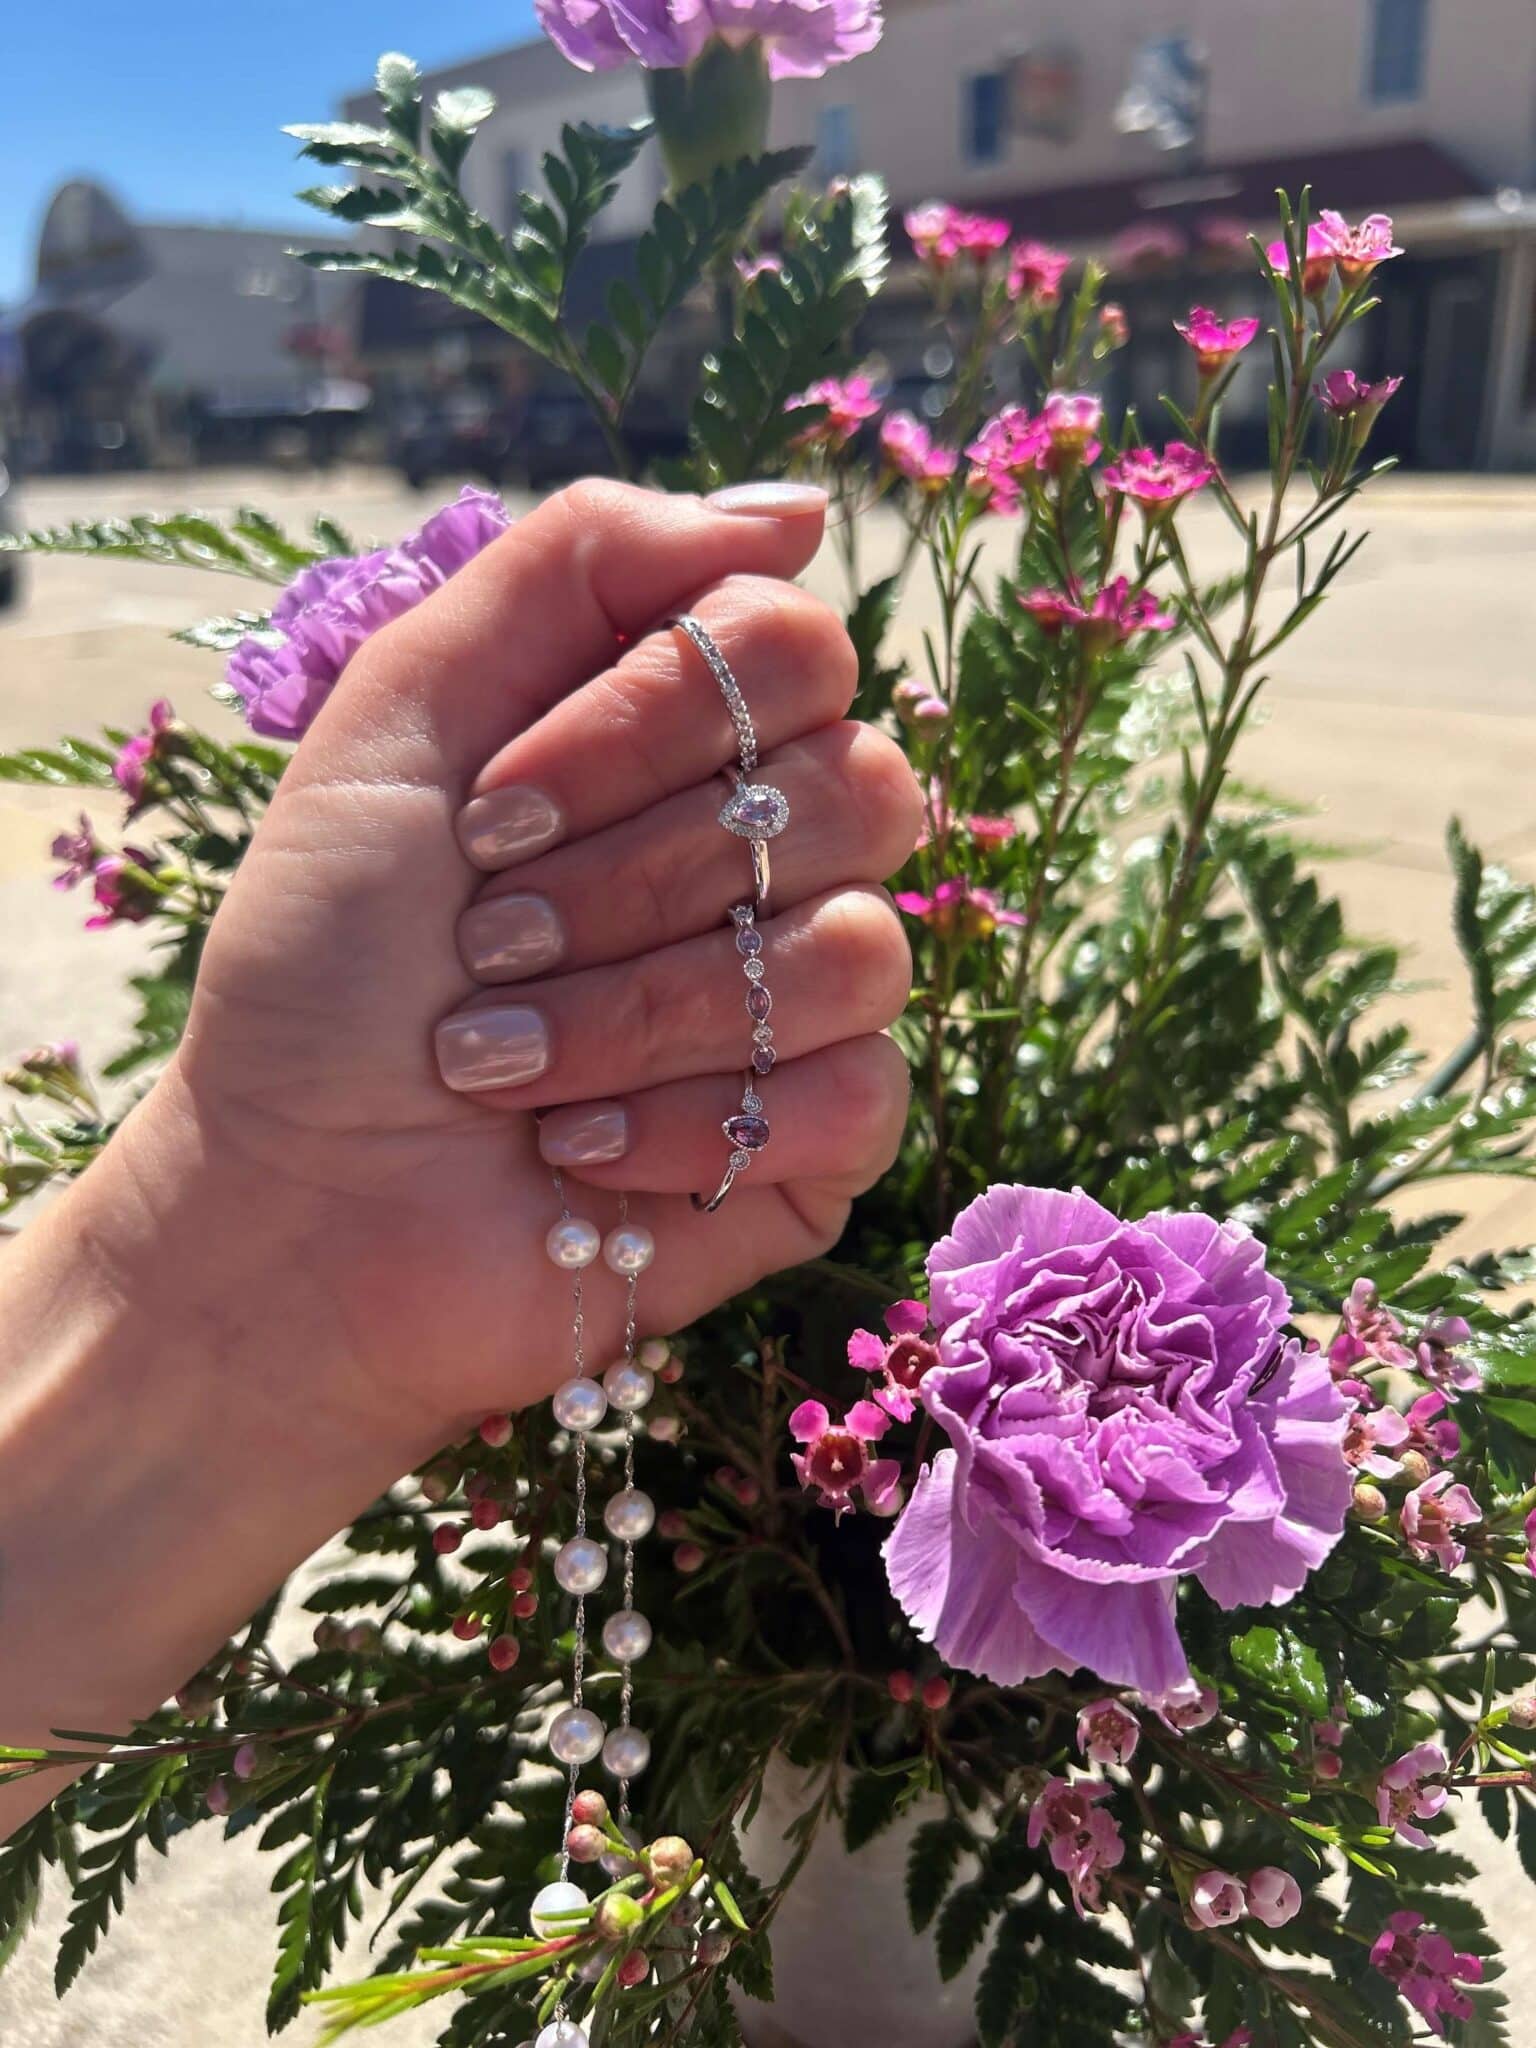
(10, 522)
(457, 434)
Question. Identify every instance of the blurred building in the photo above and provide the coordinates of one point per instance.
(146, 341)
(1152, 133)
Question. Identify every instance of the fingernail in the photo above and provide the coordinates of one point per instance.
(774, 498)
(585, 1137)
(507, 825)
(492, 1047)
(506, 938)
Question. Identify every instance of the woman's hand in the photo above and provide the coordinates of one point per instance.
(491, 887)
(516, 786)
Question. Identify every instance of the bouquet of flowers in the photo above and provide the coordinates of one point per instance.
(1133, 1518)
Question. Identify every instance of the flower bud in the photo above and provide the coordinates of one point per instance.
(901, 1686)
(688, 1557)
(686, 1913)
(1370, 1503)
(1114, 328)
(906, 697)
(496, 1430)
(670, 1373)
(714, 1947)
(671, 1524)
(199, 1694)
(436, 1485)
(485, 1514)
(654, 1354)
(589, 1810)
(524, 1605)
(633, 1969)
(1327, 1766)
(618, 1916)
(467, 1626)
(669, 1859)
(251, 1759)
(446, 1539)
(218, 1798)
(931, 714)
(937, 1693)
(664, 1429)
(362, 1637)
(584, 1844)
(330, 1635)
(747, 1491)
(1523, 1713)
(519, 1579)
(1414, 1466)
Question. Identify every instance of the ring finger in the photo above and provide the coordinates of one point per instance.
(838, 967)
(856, 810)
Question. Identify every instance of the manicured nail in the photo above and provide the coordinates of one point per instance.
(774, 498)
(585, 1136)
(507, 938)
(504, 826)
(492, 1047)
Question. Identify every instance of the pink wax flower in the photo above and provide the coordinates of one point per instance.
(1436, 1356)
(78, 851)
(900, 1361)
(1114, 616)
(990, 831)
(750, 268)
(849, 402)
(1216, 1899)
(1430, 1516)
(1430, 1432)
(959, 908)
(1010, 448)
(836, 1458)
(1274, 1896)
(1083, 1840)
(804, 38)
(1367, 1330)
(1150, 245)
(122, 894)
(1222, 234)
(1157, 481)
(1035, 273)
(984, 830)
(912, 452)
(1426, 1969)
(1214, 341)
(1317, 265)
(1083, 1481)
(1371, 1435)
(1072, 420)
(1358, 250)
(1107, 1733)
(939, 233)
(135, 755)
(1353, 400)
(1114, 326)
(1187, 1706)
(1403, 1795)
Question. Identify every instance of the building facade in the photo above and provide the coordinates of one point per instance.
(1159, 126)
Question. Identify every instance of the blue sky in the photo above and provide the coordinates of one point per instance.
(177, 105)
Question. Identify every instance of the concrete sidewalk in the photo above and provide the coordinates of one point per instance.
(1410, 697)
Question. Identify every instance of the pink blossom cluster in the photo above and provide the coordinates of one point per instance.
(1217, 1898)
(836, 1459)
(1215, 341)
(1430, 1516)
(849, 402)
(130, 770)
(940, 234)
(1332, 244)
(900, 1360)
(911, 451)
(1411, 1789)
(1369, 1336)
(959, 908)
(1110, 618)
(1084, 1841)
(118, 881)
(1376, 1439)
(1426, 1969)
(1157, 480)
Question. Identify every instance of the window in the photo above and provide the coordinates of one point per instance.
(836, 151)
(514, 176)
(1394, 67)
(984, 116)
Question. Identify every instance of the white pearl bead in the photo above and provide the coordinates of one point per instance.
(580, 1404)
(562, 2034)
(626, 1636)
(581, 1564)
(561, 1897)
(626, 1752)
(575, 1735)
(629, 1249)
(573, 1242)
(628, 1386)
(630, 1515)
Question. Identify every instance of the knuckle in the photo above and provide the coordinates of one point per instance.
(782, 627)
(596, 501)
(873, 1084)
(868, 963)
(887, 800)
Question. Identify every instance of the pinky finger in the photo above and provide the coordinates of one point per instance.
(836, 1116)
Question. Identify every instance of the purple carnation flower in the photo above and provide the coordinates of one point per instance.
(1124, 1411)
(332, 607)
(804, 37)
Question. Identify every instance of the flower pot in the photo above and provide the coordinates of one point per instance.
(846, 1964)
